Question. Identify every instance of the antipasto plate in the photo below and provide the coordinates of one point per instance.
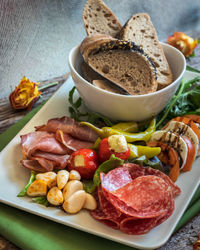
(13, 177)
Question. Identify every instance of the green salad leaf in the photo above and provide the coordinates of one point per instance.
(144, 161)
(41, 200)
(185, 101)
(189, 68)
(78, 115)
(22, 193)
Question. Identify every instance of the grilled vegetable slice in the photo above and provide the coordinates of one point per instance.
(194, 126)
(175, 141)
(182, 129)
(169, 157)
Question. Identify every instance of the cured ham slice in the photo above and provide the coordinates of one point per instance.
(144, 197)
(130, 225)
(58, 161)
(71, 143)
(106, 212)
(43, 141)
(105, 218)
(134, 226)
(115, 179)
(134, 170)
(106, 206)
(71, 127)
(175, 189)
(35, 166)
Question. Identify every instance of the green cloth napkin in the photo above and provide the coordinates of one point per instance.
(29, 231)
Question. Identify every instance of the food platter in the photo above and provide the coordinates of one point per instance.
(13, 177)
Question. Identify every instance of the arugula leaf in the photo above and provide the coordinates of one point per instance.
(189, 68)
(144, 161)
(185, 101)
(91, 117)
(31, 180)
(41, 200)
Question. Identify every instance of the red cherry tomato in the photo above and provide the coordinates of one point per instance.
(105, 152)
(84, 161)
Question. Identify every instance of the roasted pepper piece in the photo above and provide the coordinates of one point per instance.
(130, 137)
(138, 150)
(127, 126)
(168, 156)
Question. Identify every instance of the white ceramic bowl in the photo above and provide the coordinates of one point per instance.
(122, 107)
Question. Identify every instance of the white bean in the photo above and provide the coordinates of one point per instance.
(74, 175)
(90, 202)
(48, 177)
(71, 187)
(55, 196)
(37, 188)
(62, 178)
(75, 202)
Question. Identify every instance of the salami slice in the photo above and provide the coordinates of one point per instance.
(134, 170)
(135, 199)
(110, 216)
(144, 197)
(106, 206)
(106, 219)
(115, 179)
(169, 212)
(175, 189)
(137, 226)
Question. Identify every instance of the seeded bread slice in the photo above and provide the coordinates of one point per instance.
(122, 63)
(99, 19)
(140, 30)
(99, 81)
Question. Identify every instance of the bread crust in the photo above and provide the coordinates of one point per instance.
(95, 45)
(129, 32)
(98, 18)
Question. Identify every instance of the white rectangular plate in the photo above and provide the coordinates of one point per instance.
(13, 177)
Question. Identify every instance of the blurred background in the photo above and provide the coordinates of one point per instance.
(37, 35)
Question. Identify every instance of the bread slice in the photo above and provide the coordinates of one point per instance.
(109, 86)
(141, 31)
(122, 63)
(99, 81)
(99, 19)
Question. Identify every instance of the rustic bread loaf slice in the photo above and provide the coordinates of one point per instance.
(98, 18)
(122, 63)
(109, 86)
(140, 30)
(99, 81)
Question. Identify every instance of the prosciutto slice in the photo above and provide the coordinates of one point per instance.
(43, 141)
(58, 161)
(71, 143)
(34, 165)
(71, 127)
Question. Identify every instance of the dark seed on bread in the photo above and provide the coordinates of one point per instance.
(123, 63)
